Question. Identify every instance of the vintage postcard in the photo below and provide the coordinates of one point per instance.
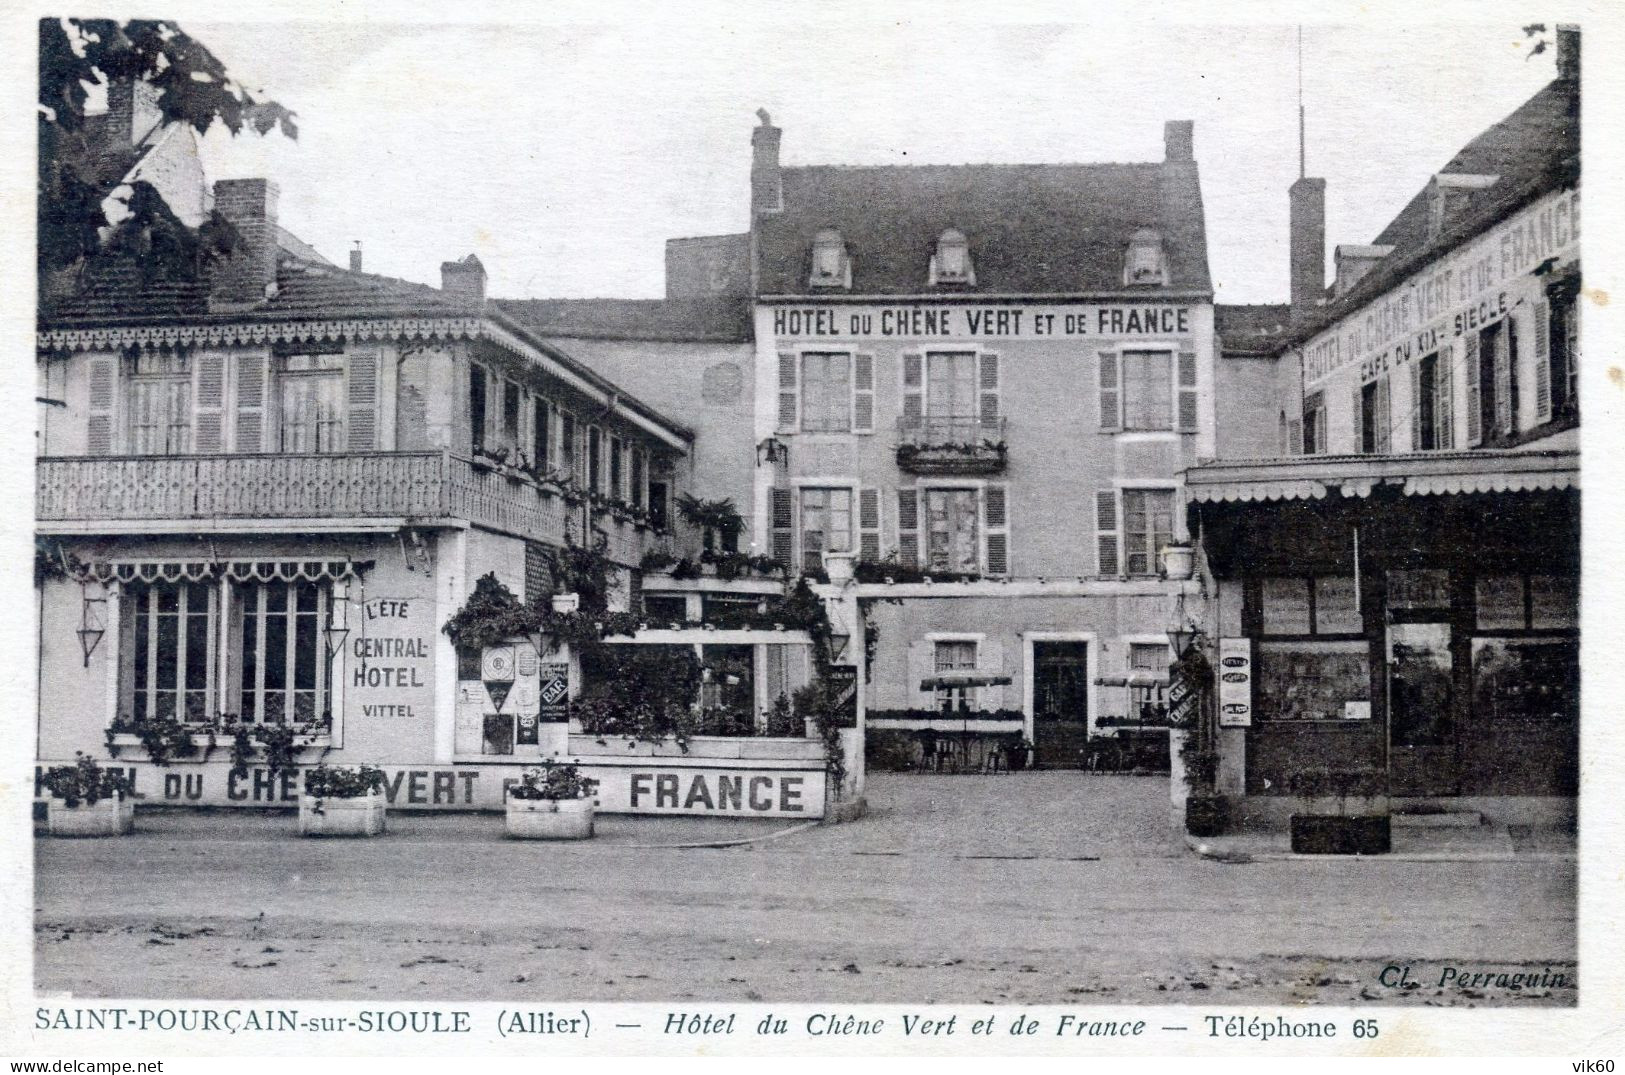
(890, 531)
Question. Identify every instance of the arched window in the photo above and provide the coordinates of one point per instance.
(951, 263)
(830, 265)
(1144, 263)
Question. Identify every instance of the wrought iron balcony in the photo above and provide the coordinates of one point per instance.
(929, 444)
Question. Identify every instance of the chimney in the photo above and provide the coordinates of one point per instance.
(248, 276)
(1568, 52)
(465, 278)
(1308, 243)
(132, 111)
(1179, 141)
(766, 185)
(355, 257)
(1353, 262)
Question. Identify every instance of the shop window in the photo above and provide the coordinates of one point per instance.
(167, 652)
(1314, 424)
(1313, 681)
(1526, 603)
(956, 656)
(952, 531)
(826, 392)
(1148, 390)
(278, 626)
(826, 525)
(1526, 679)
(159, 402)
(1322, 605)
(1148, 526)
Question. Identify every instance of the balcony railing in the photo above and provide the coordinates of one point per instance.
(424, 485)
(930, 444)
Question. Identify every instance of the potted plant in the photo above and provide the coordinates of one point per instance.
(554, 802)
(1207, 813)
(1366, 831)
(341, 801)
(87, 800)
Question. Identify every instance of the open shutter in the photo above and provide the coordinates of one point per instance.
(996, 523)
(1416, 406)
(922, 665)
(781, 504)
(1106, 533)
(913, 389)
(989, 659)
(103, 396)
(869, 525)
(1542, 330)
(361, 400)
(787, 392)
(253, 371)
(1475, 403)
(863, 394)
(1382, 421)
(1503, 380)
(1444, 400)
(1359, 418)
(209, 402)
(908, 526)
(1111, 397)
(988, 405)
(1187, 392)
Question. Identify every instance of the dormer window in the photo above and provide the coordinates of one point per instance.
(831, 267)
(1144, 263)
(1449, 194)
(951, 263)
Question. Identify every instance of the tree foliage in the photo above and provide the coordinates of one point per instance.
(78, 171)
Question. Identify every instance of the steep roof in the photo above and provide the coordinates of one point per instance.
(1032, 228)
(709, 320)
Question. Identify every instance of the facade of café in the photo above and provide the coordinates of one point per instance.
(976, 388)
(1402, 569)
(262, 491)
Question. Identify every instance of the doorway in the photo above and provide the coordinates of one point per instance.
(1060, 704)
(1422, 754)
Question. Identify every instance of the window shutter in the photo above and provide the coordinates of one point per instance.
(989, 384)
(1416, 406)
(922, 665)
(1382, 421)
(787, 392)
(908, 526)
(1106, 532)
(1187, 392)
(1111, 397)
(869, 525)
(863, 393)
(990, 659)
(996, 523)
(1475, 403)
(1444, 400)
(1294, 436)
(1359, 419)
(361, 392)
(782, 507)
(1543, 362)
(209, 402)
(913, 386)
(102, 401)
(1503, 380)
(252, 373)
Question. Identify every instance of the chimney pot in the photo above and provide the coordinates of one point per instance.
(465, 278)
(1179, 140)
(248, 276)
(766, 186)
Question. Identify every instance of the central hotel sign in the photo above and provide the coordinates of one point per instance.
(942, 322)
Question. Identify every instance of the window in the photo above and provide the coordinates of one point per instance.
(1314, 424)
(1431, 404)
(167, 651)
(956, 656)
(1148, 525)
(510, 414)
(311, 402)
(567, 445)
(657, 504)
(952, 534)
(279, 626)
(640, 469)
(826, 525)
(826, 392)
(1148, 390)
(951, 389)
(951, 263)
(617, 469)
(160, 399)
(1297, 605)
(1144, 262)
(476, 407)
(831, 267)
(1497, 365)
(595, 460)
(1563, 341)
(540, 430)
(1148, 680)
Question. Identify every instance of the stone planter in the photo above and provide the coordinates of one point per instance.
(107, 817)
(361, 816)
(1206, 815)
(1340, 834)
(550, 819)
(838, 566)
(1178, 561)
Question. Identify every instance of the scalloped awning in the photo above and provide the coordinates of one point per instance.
(1415, 474)
(132, 571)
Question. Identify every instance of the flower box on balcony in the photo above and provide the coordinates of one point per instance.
(952, 445)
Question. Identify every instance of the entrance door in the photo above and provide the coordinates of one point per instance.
(1421, 731)
(1060, 703)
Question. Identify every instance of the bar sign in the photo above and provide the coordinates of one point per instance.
(1235, 683)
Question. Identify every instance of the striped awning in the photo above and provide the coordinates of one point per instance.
(149, 571)
(1414, 474)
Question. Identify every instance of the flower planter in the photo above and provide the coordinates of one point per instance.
(1337, 834)
(328, 816)
(106, 817)
(1206, 815)
(550, 819)
(1178, 561)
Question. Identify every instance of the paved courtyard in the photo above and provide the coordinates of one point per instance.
(1023, 888)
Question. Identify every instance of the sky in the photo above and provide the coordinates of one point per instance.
(565, 155)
